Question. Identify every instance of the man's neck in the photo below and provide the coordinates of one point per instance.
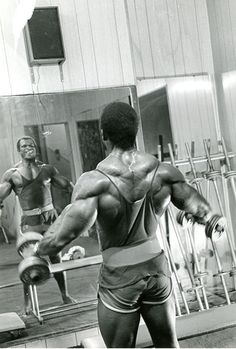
(119, 151)
(28, 163)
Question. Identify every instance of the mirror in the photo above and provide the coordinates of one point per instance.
(65, 127)
(177, 111)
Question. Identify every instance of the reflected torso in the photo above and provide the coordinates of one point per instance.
(32, 185)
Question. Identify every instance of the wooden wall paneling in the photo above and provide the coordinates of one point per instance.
(189, 35)
(226, 29)
(211, 117)
(232, 13)
(229, 98)
(192, 113)
(16, 60)
(86, 42)
(134, 37)
(5, 86)
(194, 119)
(123, 37)
(208, 130)
(176, 39)
(217, 36)
(144, 44)
(160, 38)
(46, 79)
(178, 114)
(204, 36)
(73, 67)
(105, 42)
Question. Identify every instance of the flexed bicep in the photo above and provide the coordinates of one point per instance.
(6, 184)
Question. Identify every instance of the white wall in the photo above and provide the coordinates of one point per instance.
(96, 44)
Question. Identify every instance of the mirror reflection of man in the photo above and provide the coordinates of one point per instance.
(31, 181)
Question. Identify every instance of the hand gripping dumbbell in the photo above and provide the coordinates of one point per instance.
(32, 270)
(214, 226)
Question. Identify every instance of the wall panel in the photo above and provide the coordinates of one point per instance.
(15, 57)
(160, 37)
(170, 37)
(97, 48)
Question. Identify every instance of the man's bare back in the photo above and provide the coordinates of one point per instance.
(126, 195)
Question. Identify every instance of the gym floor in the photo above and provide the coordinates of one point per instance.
(82, 285)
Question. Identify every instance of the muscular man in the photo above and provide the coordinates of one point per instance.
(31, 181)
(126, 195)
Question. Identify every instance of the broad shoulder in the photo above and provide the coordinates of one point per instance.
(92, 183)
(142, 164)
(9, 173)
(169, 174)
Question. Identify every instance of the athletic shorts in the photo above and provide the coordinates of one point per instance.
(154, 289)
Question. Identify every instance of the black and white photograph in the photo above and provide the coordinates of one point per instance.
(117, 173)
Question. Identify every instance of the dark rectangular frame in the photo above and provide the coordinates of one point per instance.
(58, 55)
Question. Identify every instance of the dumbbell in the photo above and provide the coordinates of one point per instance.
(214, 227)
(32, 270)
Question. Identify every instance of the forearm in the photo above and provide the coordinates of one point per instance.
(186, 198)
(60, 233)
(72, 222)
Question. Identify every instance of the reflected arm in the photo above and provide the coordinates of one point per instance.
(6, 184)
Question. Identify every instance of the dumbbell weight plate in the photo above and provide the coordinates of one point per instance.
(211, 227)
(25, 240)
(33, 270)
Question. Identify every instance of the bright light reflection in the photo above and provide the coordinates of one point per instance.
(229, 79)
(191, 85)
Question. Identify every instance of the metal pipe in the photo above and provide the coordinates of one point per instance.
(213, 179)
(187, 263)
(172, 264)
(32, 298)
(199, 272)
(37, 311)
(221, 273)
(193, 168)
(203, 159)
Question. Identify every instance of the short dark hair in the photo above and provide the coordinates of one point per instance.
(119, 122)
(24, 137)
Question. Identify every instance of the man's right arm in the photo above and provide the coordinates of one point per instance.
(76, 218)
(6, 184)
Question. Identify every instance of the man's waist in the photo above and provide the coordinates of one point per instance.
(130, 255)
(38, 210)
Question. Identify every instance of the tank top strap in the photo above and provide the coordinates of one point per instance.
(154, 175)
(115, 185)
